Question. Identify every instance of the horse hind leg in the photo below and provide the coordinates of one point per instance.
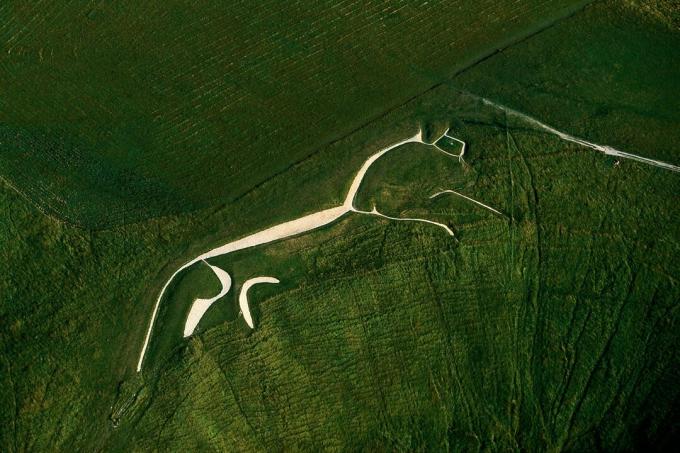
(243, 297)
(200, 306)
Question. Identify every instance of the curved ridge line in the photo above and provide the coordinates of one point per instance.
(243, 296)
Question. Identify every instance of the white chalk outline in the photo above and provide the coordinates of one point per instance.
(375, 212)
(289, 229)
(469, 199)
(462, 151)
(243, 296)
(202, 305)
(327, 216)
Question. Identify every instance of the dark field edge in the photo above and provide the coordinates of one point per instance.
(52, 214)
(413, 98)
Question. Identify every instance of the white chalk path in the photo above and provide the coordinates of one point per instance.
(281, 231)
(479, 203)
(608, 150)
(375, 212)
(243, 296)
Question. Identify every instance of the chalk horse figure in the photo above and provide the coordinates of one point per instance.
(292, 228)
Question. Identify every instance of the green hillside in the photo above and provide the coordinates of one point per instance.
(189, 105)
(136, 137)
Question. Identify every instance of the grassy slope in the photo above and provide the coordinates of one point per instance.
(619, 73)
(190, 104)
(555, 330)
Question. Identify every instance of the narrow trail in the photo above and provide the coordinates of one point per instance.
(283, 231)
(608, 150)
(479, 203)
(375, 212)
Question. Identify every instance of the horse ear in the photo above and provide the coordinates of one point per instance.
(431, 130)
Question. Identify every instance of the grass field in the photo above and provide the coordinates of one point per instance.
(550, 328)
(194, 104)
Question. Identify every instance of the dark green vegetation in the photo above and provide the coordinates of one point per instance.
(192, 104)
(553, 329)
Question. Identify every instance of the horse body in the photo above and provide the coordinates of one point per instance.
(277, 232)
